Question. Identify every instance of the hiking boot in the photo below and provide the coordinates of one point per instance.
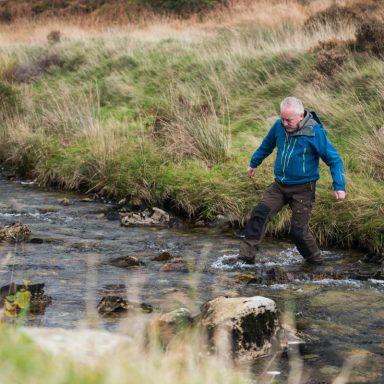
(315, 259)
(248, 250)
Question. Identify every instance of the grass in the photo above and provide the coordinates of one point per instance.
(173, 111)
(23, 361)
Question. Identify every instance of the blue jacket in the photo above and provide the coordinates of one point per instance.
(298, 153)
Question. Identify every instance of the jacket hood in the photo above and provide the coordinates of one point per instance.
(306, 125)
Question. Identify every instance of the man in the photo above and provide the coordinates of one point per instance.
(300, 140)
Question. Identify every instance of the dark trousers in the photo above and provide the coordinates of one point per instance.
(300, 199)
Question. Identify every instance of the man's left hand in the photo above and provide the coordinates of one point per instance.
(340, 195)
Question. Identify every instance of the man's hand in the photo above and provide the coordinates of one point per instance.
(251, 172)
(340, 195)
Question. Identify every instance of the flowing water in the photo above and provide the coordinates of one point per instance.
(338, 308)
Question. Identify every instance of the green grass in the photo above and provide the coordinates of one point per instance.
(178, 121)
(185, 361)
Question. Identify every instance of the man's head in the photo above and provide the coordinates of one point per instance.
(292, 112)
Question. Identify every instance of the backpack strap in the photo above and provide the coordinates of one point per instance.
(314, 115)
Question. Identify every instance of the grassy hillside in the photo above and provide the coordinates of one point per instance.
(113, 10)
(171, 112)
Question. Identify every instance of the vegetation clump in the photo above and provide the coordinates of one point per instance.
(54, 37)
(335, 15)
(370, 37)
(32, 70)
(183, 7)
(331, 56)
(11, 11)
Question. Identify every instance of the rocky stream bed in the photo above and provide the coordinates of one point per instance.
(93, 267)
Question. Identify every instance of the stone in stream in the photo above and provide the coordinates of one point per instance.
(220, 222)
(15, 232)
(145, 218)
(175, 265)
(164, 327)
(250, 325)
(163, 256)
(126, 262)
(66, 202)
(274, 275)
(277, 275)
(116, 305)
(38, 300)
(112, 214)
(36, 240)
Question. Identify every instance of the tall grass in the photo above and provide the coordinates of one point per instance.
(173, 111)
(183, 362)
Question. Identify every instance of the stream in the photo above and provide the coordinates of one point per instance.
(338, 308)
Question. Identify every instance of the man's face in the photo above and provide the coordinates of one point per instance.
(291, 119)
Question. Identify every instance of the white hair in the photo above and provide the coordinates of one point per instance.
(293, 104)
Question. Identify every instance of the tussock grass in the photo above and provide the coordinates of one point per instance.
(172, 113)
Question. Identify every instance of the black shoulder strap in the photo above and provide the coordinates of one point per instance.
(314, 115)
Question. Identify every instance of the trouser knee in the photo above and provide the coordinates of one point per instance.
(256, 224)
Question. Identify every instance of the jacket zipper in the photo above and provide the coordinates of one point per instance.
(305, 150)
(287, 158)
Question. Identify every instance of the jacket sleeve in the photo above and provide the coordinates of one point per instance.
(266, 147)
(331, 157)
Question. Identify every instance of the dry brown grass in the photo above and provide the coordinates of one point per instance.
(148, 25)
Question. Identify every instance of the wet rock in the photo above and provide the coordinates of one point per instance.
(163, 256)
(65, 202)
(176, 265)
(27, 182)
(15, 232)
(166, 326)
(122, 202)
(176, 222)
(250, 325)
(45, 210)
(112, 214)
(87, 200)
(220, 222)
(277, 275)
(199, 223)
(36, 240)
(111, 305)
(38, 299)
(274, 275)
(39, 303)
(127, 262)
(115, 287)
(248, 277)
(160, 215)
(146, 218)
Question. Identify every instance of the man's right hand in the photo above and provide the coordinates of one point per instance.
(251, 172)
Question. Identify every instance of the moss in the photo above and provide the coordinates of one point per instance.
(253, 331)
